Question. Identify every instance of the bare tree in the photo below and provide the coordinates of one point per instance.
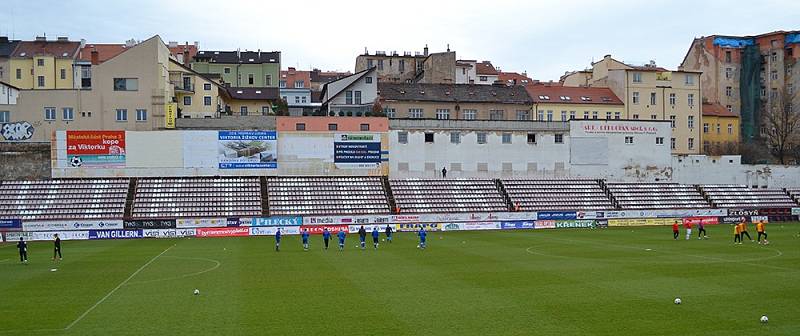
(782, 120)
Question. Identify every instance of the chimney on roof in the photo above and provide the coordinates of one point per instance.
(185, 56)
(41, 38)
(196, 44)
(425, 51)
(3, 39)
(448, 47)
(62, 39)
(173, 44)
(83, 43)
(652, 64)
(238, 53)
(130, 43)
(95, 57)
(259, 53)
(607, 56)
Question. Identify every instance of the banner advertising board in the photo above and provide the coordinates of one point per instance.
(701, 220)
(464, 217)
(349, 220)
(544, 224)
(517, 225)
(160, 233)
(602, 223)
(222, 232)
(452, 226)
(47, 235)
(183, 223)
(115, 234)
(72, 225)
(410, 227)
(795, 211)
(247, 149)
(732, 219)
(10, 223)
(333, 229)
(764, 219)
(482, 226)
(743, 212)
(381, 228)
(556, 215)
(149, 224)
(642, 221)
(96, 149)
(356, 151)
(278, 221)
(661, 213)
(575, 223)
(285, 230)
(186, 232)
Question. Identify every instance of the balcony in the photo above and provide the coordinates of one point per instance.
(183, 87)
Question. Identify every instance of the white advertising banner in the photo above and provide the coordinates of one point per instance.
(661, 213)
(795, 211)
(72, 225)
(482, 226)
(463, 217)
(271, 230)
(47, 235)
(160, 233)
(369, 228)
(452, 227)
(184, 223)
(347, 220)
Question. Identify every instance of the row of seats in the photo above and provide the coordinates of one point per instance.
(327, 196)
(188, 197)
(559, 194)
(741, 196)
(638, 196)
(447, 195)
(64, 199)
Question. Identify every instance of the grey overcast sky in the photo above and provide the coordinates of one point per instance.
(544, 38)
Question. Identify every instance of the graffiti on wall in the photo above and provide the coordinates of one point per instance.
(17, 131)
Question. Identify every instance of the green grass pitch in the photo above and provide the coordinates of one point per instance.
(619, 281)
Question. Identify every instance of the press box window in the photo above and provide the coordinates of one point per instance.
(126, 84)
(559, 138)
(402, 137)
(428, 137)
(531, 138)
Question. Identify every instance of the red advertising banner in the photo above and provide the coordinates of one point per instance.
(703, 220)
(223, 232)
(95, 148)
(317, 229)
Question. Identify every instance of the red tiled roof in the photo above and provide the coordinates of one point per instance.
(105, 51)
(191, 48)
(58, 49)
(485, 68)
(716, 110)
(291, 75)
(513, 78)
(546, 93)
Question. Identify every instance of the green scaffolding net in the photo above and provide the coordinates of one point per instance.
(750, 89)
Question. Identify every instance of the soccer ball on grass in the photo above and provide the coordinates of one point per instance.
(196, 292)
(677, 301)
(764, 319)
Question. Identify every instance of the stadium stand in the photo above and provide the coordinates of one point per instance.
(326, 196)
(447, 195)
(656, 196)
(534, 195)
(795, 194)
(63, 199)
(197, 197)
(740, 196)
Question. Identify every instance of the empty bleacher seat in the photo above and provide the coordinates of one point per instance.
(64, 199)
(565, 194)
(740, 196)
(447, 195)
(197, 197)
(794, 193)
(656, 196)
(326, 195)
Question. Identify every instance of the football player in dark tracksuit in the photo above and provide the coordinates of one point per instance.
(23, 250)
(56, 247)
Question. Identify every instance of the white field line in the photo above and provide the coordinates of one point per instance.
(217, 264)
(115, 289)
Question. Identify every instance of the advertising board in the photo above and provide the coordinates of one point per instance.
(222, 232)
(369, 228)
(115, 234)
(575, 223)
(95, 149)
(10, 223)
(482, 226)
(517, 225)
(247, 149)
(72, 225)
(159, 233)
(183, 223)
(544, 224)
(149, 224)
(410, 227)
(795, 211)
(271, 230)
(701, 220)
(556, 215)
(349, 220)
(318, 229)
(277, 221)
(642, 221)
(47, 235)
(451, 226)
(357, 151)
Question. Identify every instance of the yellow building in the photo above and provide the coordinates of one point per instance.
(197, 95)
(250, 100)
(553, 102)
(720, 130)
(44, 65)
(650, 92)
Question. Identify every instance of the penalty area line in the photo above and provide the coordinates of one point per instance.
(115, 289)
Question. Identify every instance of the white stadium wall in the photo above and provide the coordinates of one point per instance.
(727, 169)
(494, 159)
(599, 150)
